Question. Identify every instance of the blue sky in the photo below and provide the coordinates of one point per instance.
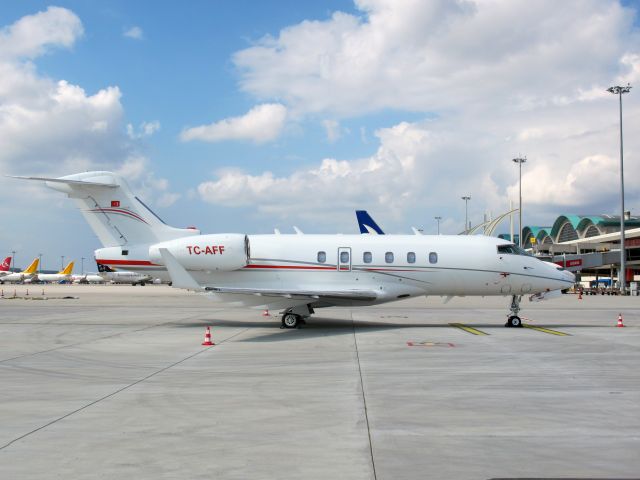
(244, 116)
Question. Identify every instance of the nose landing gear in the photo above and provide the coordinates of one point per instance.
(514, 319)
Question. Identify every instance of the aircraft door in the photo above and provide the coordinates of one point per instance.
(344, 259)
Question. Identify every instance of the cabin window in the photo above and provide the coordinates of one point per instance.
(344, 257)
(388, 257)
(433, 257)
(322, 257)
(411, 257)
(367, 257)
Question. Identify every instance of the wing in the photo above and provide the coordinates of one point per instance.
(181, 278)
(313, 295)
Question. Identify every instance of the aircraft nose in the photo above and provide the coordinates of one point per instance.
(569, 276)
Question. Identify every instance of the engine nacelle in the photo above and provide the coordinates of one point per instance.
(217, 252)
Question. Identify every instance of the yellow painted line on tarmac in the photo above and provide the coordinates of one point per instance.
(473, 331)
(547, 330)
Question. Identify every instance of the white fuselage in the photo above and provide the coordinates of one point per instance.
(125, 277)
(444, 265)
(87, 278)
(50, 277)
(15, 277)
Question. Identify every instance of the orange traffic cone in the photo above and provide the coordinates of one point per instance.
(579, 294)
(207, 338)
(620, 324)
(266, 313)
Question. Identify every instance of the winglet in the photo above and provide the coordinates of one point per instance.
(180, 278)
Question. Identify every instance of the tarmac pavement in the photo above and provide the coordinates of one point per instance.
(115, 383)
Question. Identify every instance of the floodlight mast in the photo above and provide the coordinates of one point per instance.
(622, 280)
(466, 199)
(520, 161)
(438, 218)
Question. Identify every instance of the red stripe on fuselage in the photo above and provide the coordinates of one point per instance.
(294, 267)
(127, 262)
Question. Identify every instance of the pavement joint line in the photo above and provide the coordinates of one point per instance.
(546, 330)
(466, 328)
(364, 398)
(126, 387)
(93, 339)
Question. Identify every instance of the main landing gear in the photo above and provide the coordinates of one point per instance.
(294, 317)
(514, 319)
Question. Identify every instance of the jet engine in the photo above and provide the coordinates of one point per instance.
(217, 252)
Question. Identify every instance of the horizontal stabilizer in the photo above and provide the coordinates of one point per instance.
(66, 181)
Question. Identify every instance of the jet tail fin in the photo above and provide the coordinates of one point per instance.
(116, 215)
(5, 265)
(67, 270)
(102, 268)
(366, 223)
(33, 268)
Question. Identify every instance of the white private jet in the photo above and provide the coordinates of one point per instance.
(300, 273)
(26, 274)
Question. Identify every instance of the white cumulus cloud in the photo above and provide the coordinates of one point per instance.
(33, 34)
(146, 129)
(134, 32)
(491, 80)
(53, 127)
(261, 124)
(423, 56)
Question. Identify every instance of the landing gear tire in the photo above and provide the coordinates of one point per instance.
(290, 320)
(513, 321)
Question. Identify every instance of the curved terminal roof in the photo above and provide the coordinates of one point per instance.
(573, 227)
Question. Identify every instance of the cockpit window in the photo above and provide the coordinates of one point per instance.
(512, 249)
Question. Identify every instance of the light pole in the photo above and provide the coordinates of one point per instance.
(438, 220)
(61, 262)
(466, 213)
(40, 262)
(520, 161)
(13, 260)
(618, 90)
(82, 267)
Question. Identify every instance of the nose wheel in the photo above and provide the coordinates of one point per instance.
(514, 320)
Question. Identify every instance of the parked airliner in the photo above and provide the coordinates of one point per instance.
(63, 275)
(300, 273)
(27, 273)
(121, 276)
